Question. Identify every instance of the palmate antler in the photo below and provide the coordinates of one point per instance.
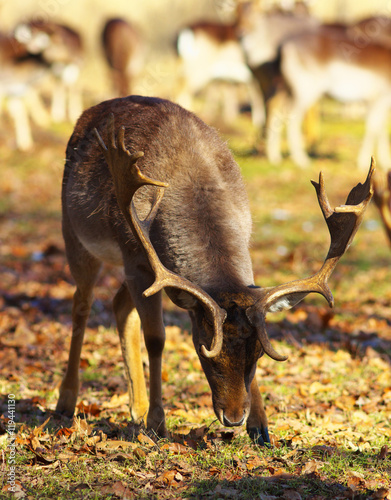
(343, 223)
(382, 199)
(128, 179)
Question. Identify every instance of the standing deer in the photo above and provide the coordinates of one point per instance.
(61, 49)
(20, 77)
(328, 61)
(124, 53)
(149, 186)
(213, 61)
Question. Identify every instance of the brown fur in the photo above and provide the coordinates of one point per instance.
(121, 41)
(221, 33)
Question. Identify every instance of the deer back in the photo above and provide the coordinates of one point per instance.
(203, 225)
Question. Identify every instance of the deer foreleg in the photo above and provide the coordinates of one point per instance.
(17, 110)
(257, 427)
(275, 121)
(85, 269)
(295, 136)
(69, 389)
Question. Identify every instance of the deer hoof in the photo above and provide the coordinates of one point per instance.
(259, 436)
(66, 403)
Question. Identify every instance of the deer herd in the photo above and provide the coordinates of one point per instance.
(150, 187)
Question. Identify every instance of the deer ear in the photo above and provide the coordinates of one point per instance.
(286, 296)
(182, 299)
(284, 302)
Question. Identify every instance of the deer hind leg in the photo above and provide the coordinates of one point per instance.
(257, 427)
(84, 268)
(376, 130)
(128, 324)
(151, 316)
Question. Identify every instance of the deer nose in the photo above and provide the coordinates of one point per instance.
(230, 423)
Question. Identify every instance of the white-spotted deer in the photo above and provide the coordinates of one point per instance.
(61, 49)
(328, 61)
(124, 52)
(147, 185)
(213, 62)
(20, 78)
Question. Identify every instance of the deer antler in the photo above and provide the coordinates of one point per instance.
(128, 179)
(343, 223)
(382, 199)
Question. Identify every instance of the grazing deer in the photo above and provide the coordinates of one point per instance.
(61, 49)
(149, 186)
(124, 51)
(20, 77)
(213, 61)
(328, 61)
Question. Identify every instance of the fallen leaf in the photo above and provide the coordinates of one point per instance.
(255, 462)
(310, 467)
(37, 431)
(145, 440)
(91, 409)
(119, 490)
(291, 495)
(114, 444)
(116, 401)
(65, 432)
(170, 478)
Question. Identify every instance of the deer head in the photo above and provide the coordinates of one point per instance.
(229, 326)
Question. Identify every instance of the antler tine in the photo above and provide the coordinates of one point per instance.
(343, 223)
(382, 199)
(127, 179)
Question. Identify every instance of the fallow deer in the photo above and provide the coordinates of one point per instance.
(328, 61)
(149, 186)
(61, 49)
(20, 78)
(213, 62)
(124, 52)
(261, 35)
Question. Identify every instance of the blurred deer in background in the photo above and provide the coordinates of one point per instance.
(327, 61)
(149, 186)
(261, 35)
(61, 48)
(382, 199)
(124, 51)
(20, 79)
(213, 61)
